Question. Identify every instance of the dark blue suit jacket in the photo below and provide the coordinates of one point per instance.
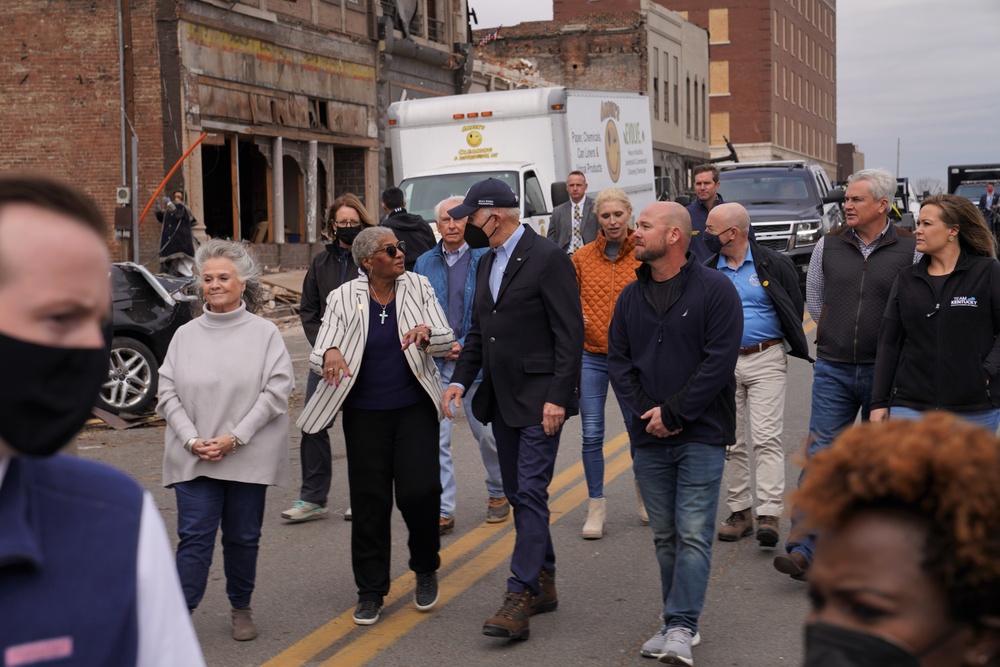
(529, 342)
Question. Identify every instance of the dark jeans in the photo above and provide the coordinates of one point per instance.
(314, 455)
(202, 504)
(389, 449)
(527, 459)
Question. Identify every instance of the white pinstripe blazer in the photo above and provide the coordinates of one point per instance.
(345, 327)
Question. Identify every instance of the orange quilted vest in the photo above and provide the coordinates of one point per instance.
(601, 281)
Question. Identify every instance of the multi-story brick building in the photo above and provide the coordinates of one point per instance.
(773, 73)
(287, 99)
(648, 49)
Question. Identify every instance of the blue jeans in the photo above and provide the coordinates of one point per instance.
(483, 433)
(988, 419)
(593, 396)
(202, 504)
(839, 392)
(680, 487)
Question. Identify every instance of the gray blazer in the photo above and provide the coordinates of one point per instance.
(561, 228)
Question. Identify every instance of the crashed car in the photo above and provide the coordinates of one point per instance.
(147, 310)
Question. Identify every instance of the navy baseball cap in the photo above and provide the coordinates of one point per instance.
(491, 193)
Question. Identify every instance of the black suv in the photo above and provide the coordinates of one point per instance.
(791, 205)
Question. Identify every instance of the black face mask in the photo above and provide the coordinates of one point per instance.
(46, 393)
(713, 243)
(476, 237)
(833, 646)
(346, 235)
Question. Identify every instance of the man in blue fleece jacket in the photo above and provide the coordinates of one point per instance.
(672, 350)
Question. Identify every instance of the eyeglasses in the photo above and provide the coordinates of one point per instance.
(340, 224)
(391, 249)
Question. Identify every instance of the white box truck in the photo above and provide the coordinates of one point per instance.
(531, 139)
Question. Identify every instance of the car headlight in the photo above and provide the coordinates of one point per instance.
(808, 232)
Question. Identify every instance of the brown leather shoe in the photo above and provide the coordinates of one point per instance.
(512, 619)
(446, 525)
(793, 564)
(737, 526)
(767, 530)
(243, 626)
(546, 600)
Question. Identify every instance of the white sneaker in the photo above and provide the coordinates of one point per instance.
(303, 511)
(653, 647)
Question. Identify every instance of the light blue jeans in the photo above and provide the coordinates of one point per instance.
(483, 433)
(680, 487)
(988, 419)
(593, 396)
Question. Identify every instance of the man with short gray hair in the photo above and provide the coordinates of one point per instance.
(851, 272)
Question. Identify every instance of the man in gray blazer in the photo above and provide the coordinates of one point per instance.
(574, 223)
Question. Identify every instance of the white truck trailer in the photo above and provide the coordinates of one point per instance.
(531, 139)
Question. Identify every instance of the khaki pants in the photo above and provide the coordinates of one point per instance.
(760, 406)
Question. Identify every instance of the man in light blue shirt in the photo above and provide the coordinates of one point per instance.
(772, 319)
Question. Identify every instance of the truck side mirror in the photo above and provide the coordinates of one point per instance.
(529, 210)
(834, 197)
(560, 195)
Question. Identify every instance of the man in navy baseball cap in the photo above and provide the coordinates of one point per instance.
(492, 193)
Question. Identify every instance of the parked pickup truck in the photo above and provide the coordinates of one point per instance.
(791, 205)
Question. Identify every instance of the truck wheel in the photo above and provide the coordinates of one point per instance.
(133, 376)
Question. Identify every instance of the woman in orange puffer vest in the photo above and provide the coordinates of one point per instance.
(603, 268)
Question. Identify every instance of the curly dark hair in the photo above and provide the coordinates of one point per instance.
(943, 471)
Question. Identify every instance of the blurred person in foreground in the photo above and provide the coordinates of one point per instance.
(451, 268)
(330, 269)
(374, 351)
(907, 566)
(224, 389)
(603, 268)
(86, 574)
(938, 348)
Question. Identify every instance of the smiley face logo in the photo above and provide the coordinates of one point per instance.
(613, 150)
(474, 139)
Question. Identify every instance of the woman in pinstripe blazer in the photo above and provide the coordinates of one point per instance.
(374, 352)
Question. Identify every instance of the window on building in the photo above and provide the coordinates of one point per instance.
(718, 26)
(688, 105)
(704, 111)
(677, 80)
(718, 71)
(656, 84)
(774, 26)
(696, 108)
(719, 128)
(666, 88)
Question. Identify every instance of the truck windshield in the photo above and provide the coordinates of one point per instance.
(423, 193)
(971, 191)
(748, 187)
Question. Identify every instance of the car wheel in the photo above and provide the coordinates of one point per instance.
(132, 377)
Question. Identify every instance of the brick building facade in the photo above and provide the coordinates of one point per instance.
(773, 73)
(290, 96)
(648, 49)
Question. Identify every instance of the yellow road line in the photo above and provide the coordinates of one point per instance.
(807, 324)
(333, 631)
(389, 631)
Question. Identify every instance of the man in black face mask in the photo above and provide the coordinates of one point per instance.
(772, 320)
(86, 570)
(329, 269)
(527, 338)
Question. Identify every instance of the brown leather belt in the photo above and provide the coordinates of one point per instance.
(760, 347)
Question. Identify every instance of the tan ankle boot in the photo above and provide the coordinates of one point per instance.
(593, 529)
(243, 626)
(643, 516)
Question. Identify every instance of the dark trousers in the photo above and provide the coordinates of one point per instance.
(389, 449)
(202, 504)
(527, 460)
(314, 455)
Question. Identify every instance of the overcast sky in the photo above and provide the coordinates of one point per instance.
(923, 72)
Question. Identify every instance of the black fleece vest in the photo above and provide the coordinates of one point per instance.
(855, 293)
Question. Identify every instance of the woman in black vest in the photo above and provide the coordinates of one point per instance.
(938, 347)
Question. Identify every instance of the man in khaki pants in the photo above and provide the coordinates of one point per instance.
(772, 319)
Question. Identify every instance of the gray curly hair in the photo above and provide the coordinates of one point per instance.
(368, 242)
(247, 268)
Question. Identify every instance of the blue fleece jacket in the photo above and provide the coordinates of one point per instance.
(682, 360)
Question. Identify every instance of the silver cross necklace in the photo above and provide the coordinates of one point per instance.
(379, 301)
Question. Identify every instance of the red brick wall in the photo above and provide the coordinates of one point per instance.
(59, 69)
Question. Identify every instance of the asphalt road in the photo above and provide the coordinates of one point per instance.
(608, 588)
